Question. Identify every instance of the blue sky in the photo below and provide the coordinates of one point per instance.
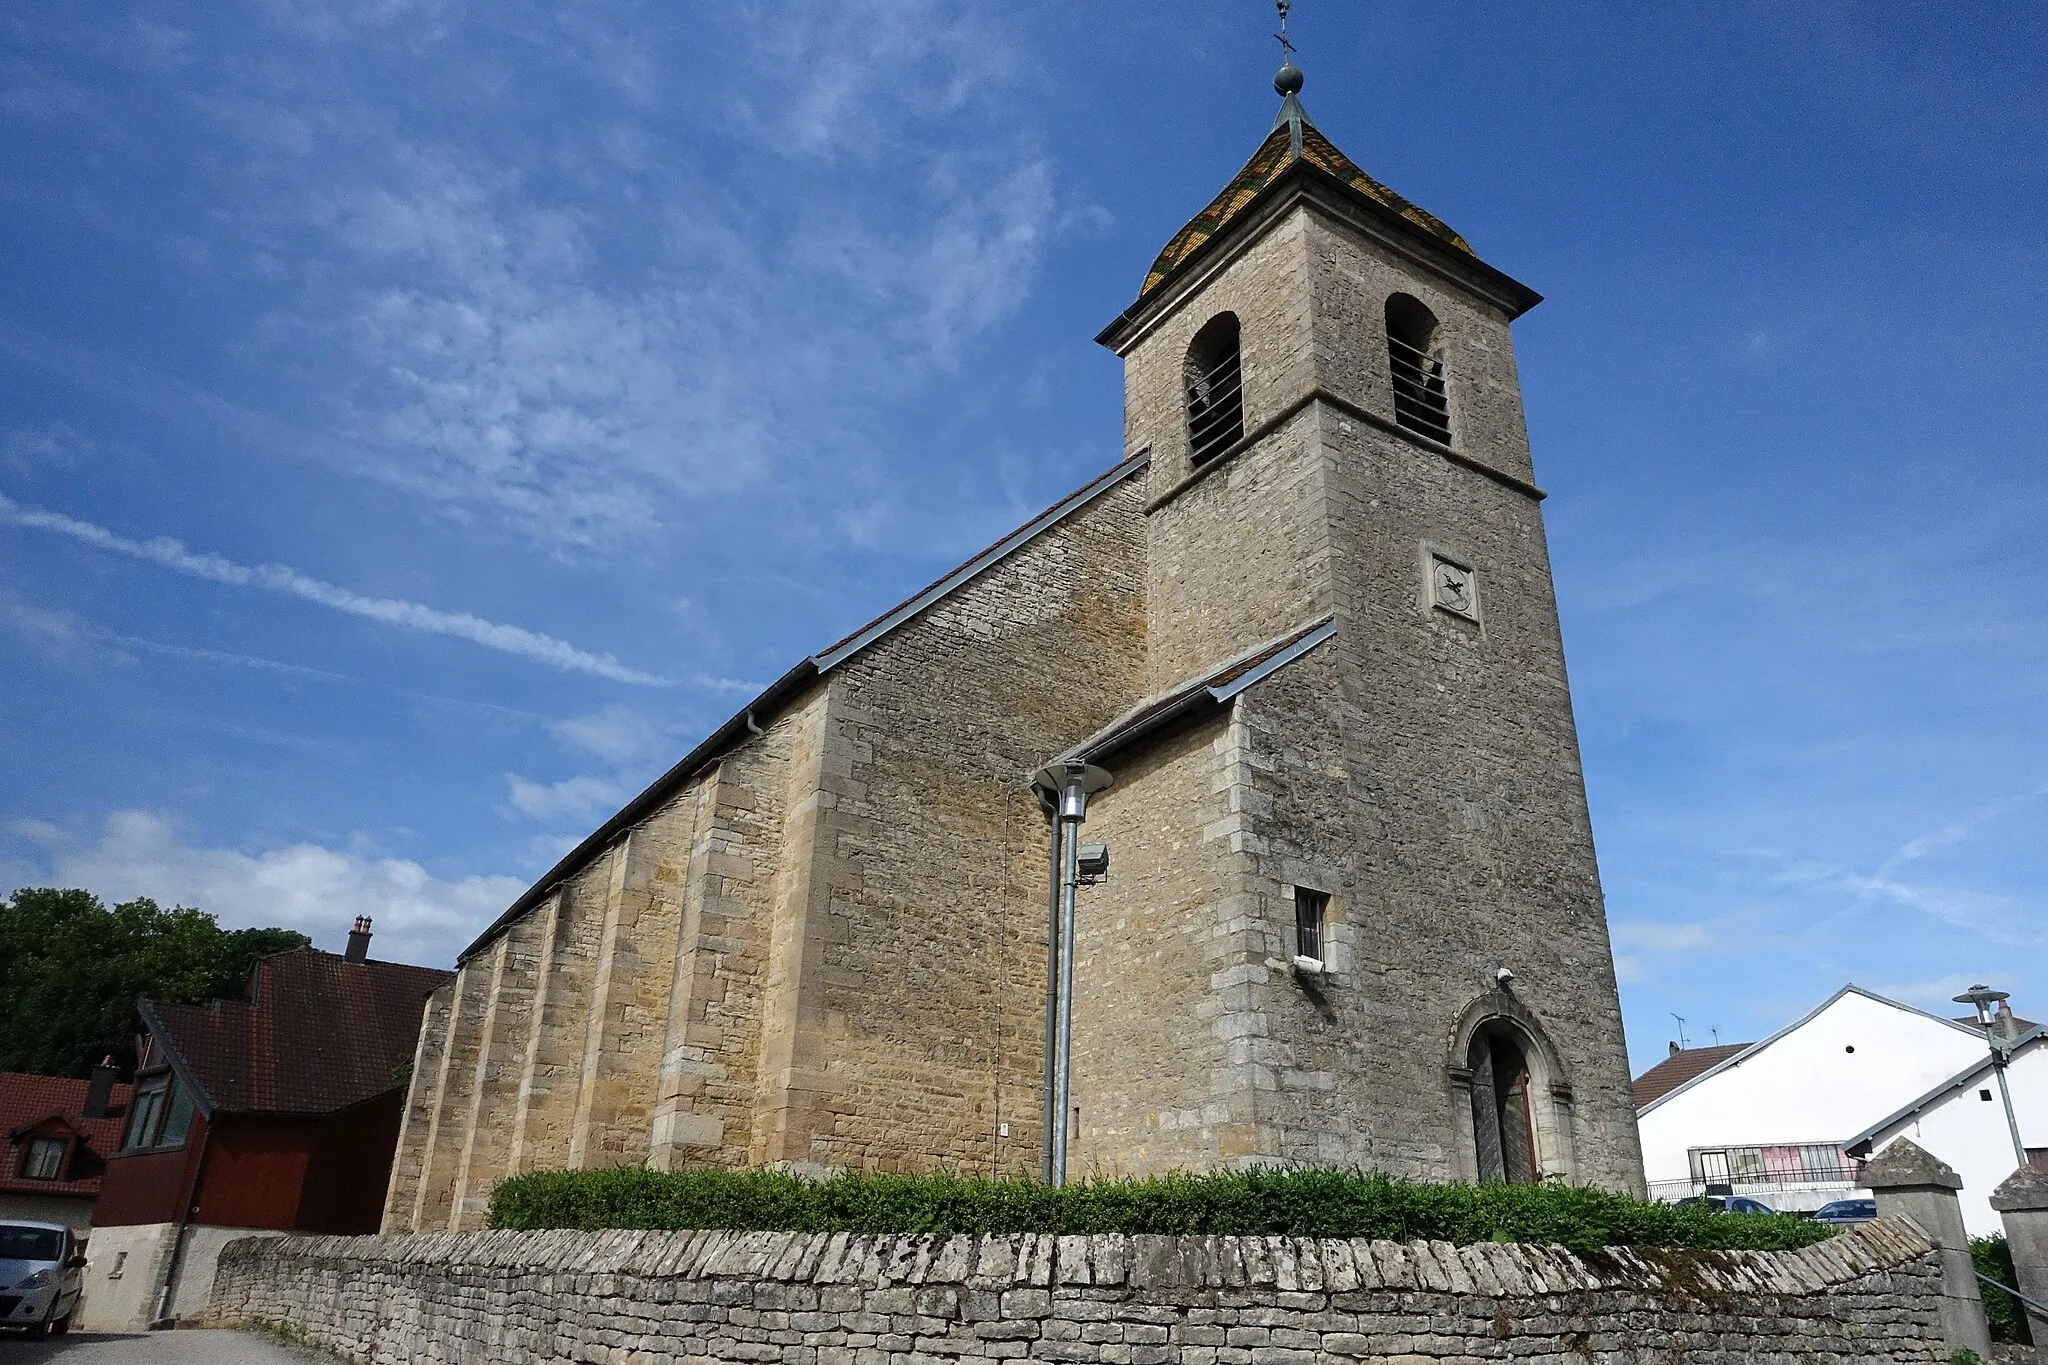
(421, 421)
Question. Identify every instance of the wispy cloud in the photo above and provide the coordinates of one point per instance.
(595, 344)
(1663, 938)
(55, 633)
(278, 578)
(309, 887)
(572, 798)
(617, 734)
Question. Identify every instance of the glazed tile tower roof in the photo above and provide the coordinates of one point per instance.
(1293, 139)
(317, 1033)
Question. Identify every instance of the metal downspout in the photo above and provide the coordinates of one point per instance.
(176, 1263)
(1052, 987)
(1063, 1070)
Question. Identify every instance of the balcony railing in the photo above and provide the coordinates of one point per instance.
(1743, 1169)
(1421, 398)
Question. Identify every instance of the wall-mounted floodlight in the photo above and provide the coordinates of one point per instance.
(1063, 788)
(1093, 862)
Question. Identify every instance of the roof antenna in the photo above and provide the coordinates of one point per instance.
(1683, 1041)
(1289, 82)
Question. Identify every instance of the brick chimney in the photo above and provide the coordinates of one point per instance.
(359, 940)
(99, 1090)
(2004, 1027)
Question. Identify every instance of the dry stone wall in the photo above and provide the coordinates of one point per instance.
(658, 1298)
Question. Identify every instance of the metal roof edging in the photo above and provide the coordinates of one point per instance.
(982, 562)
(1956, 1082)
(809, 670)
(690, 765)
(1739, 1058)
(1325, 631)
(180, 1067)
(1124, 731)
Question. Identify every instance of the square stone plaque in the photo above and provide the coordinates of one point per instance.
(1453, 588)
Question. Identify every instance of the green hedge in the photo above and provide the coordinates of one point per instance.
(2008, 1320)
(1318, 1203)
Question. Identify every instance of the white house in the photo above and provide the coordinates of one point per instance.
(1790, 1119)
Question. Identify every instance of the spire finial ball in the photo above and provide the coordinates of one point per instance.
(1289, 81)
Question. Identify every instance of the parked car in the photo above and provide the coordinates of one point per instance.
(1844, 1211)
(39, 1280)
(1728, 1203)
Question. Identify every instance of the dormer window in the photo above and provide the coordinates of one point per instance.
(44, 1159)
(1215, 389)
(1421, 398)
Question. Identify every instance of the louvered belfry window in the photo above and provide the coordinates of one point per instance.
(1421, 393)
(1215, 389)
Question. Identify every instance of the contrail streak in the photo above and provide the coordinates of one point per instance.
(172, 554)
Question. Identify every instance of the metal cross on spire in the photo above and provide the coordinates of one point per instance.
(1288, 82)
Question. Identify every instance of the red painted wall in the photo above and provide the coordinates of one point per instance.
(351, 1165)
(149, 1187)
(255, 1172)
(299, 1174)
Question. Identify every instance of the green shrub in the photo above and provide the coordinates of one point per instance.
(1315, 1203)
(2008, 1320)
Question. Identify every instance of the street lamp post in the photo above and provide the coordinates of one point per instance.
(1982, 998)
(1066, 787)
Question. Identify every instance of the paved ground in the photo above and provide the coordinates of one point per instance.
(155, 1348)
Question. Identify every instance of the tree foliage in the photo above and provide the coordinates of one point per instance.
(2007, 1318)
(71, 970)
(1309, 1203)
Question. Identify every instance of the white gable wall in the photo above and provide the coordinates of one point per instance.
(1804, 1086)
(1970, 1133)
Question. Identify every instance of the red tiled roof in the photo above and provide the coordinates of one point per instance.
(317, 1033)
(27, 1100)
(1680, 1067)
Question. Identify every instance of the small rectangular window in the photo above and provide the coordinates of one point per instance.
(178, 1119)
(1308, 921)
(45, 1159)
(149, 1107)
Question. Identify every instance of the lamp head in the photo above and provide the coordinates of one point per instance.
(1981, 998)
(1066, 786)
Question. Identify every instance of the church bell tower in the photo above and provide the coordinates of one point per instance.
(1356, 917)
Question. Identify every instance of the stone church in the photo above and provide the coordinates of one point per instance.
(1352, 915)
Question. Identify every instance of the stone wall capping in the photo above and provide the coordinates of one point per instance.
(1905, 1165)
(1484, 1281)
(1036, 1267)
(1340, 1271)
(953, 1261)
(995, 1261)
(1507, 1268)
(1071, 1261)
(1873, 1293)
(2024, 1191)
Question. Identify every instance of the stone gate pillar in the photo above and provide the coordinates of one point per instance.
(2022, 1202)
(1911, 1182)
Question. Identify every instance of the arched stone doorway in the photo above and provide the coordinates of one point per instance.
(1503, 1124)
(1511, 1102)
